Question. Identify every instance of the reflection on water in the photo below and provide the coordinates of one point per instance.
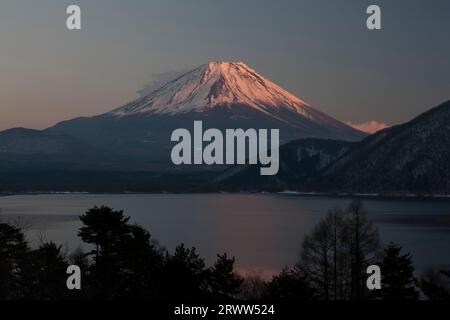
(264, 232)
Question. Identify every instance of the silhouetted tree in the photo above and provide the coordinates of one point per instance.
(335, 222)
(436, 285)
(253, 287)
(223, 281)
(45, 273)
(289, 285)
(107, 230)
(316, 258)
(362, 240)
(397, 273)
(185, 275)
(79, 257)
(104, 228)
(337, 251)
(143, 263)
(13, 255)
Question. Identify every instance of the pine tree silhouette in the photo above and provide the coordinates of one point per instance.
(397, 274)
(223, 281)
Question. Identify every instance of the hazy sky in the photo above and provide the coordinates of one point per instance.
(319, 50)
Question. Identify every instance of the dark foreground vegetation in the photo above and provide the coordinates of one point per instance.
(125, 262)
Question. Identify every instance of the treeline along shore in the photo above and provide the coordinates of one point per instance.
(125, 262)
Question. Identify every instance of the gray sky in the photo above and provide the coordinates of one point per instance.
(320, 50)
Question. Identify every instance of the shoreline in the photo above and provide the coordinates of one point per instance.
(374, 196)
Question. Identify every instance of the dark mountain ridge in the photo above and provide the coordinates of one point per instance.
(413, 157)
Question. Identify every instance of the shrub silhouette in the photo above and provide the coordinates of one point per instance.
(290, 285)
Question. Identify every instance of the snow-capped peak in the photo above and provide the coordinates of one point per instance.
(217, 83)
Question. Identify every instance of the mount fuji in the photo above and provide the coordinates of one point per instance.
(220, 94)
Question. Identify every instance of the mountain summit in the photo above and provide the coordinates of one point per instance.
(217, 84)
(223, 95)
(228, 84)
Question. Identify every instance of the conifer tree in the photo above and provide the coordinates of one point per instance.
(397, 274)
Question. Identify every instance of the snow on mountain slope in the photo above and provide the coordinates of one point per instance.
(222, 84)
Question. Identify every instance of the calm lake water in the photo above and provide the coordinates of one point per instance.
(263, 231)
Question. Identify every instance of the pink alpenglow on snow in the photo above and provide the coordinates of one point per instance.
(369, 126)
(218, 83)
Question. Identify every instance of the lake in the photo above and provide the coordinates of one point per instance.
(263, 231)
